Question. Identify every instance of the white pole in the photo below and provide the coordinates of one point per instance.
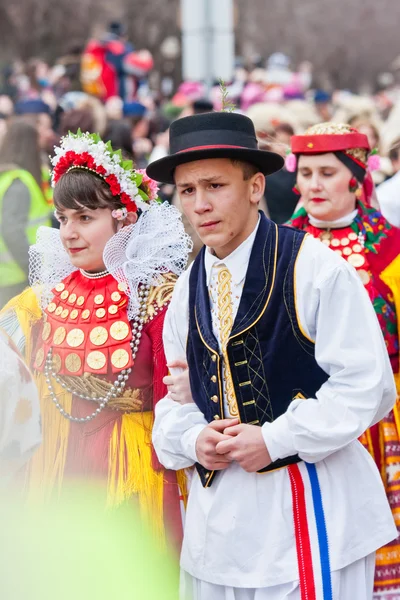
(207, 40)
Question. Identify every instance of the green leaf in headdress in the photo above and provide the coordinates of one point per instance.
(227, 104)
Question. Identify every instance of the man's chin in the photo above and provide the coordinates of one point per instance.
(210, 239)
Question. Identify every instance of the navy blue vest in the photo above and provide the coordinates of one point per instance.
(271, 360)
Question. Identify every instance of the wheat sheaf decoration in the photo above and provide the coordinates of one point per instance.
(227, 104)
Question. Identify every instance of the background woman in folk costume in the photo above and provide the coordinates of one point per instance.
(91, 325)
(333, 164)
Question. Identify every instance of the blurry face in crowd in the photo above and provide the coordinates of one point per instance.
(84, 234)
(45, 131)
(324, 109)
(369, 131)
(219, 202)
(323, 182)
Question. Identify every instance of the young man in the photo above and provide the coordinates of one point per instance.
(287, 368)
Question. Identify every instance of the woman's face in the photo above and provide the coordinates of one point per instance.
(323, 182)
(84, 234)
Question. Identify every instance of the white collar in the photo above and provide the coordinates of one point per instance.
(342, 222)
(237, 262)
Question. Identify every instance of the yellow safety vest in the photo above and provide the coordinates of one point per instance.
(39, 214)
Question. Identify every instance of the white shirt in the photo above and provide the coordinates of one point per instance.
(239, 531)
(388, 194)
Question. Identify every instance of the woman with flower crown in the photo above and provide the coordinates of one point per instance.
(333, 164)
(90, 327)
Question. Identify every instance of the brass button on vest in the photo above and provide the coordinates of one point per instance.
(214, 399)
(214, 379)
(213, 358)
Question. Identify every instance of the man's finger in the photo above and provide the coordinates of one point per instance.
(221, 424)
(234, 430)
(178, 364)
(168, 380)
(225, 446)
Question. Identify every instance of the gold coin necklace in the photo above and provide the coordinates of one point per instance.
(118, 385)
(326, 236)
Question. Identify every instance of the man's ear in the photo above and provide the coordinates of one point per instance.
(257, 187)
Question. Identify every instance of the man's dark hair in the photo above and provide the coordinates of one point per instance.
(248, 168)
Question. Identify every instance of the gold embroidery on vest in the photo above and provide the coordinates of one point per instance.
(225, 317)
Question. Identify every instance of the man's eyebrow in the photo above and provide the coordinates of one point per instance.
(212, 179)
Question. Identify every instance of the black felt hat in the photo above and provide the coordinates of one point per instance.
(213, 135)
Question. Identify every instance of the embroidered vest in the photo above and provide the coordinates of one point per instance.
(271, 360)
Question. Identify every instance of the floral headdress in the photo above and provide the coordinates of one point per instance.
(88, 152)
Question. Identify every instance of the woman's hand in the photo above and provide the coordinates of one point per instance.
(179, 385)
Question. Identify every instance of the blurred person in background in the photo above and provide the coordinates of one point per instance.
(6, 111)
(38, 113)
(90, 328)
(119, 134)
(23, 206)
(394, 156)
(111, 67)
(332, 165)
(323, 104)
(9, 83)
(273, 130)
(118, 129)
(82, 111)
(368, 128)
(66, 73)
(137, 117)
(388, 192)
(371, 128)
(37, 73)
(20, 423)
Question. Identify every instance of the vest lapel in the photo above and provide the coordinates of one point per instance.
(202, 307)
(260, 276)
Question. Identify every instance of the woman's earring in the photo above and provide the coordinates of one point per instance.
(296, 190)
(353, 185)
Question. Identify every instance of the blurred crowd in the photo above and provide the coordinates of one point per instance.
(104, 88)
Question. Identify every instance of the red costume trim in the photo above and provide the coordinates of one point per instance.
(210, 147)
(319, 144)
(303, 544)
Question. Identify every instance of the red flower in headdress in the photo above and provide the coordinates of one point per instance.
(114, 185)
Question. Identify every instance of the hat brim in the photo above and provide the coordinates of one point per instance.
(162, 170)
